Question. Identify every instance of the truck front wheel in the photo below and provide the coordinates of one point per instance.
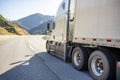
(101, 65)
(79, 58)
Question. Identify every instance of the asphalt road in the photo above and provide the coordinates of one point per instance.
(25, 58)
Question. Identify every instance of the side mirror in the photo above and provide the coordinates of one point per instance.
(48, 27)
(53, 25)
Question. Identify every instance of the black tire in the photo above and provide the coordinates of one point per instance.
(82, 63)
(47, 47)
(101, 65)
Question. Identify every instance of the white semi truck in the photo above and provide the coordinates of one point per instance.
(87, 33)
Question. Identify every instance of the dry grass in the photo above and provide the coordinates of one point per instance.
(19, 30)
(4, 32)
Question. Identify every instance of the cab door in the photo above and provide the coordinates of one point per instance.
(59, 34)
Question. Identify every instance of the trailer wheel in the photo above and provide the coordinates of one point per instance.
(101, 66)
(79, 58)
(47, 47)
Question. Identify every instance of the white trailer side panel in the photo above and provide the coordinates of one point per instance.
(109, 19)
(97, 21)
(86, 18)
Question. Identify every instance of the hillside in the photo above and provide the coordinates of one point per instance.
(10, 28)
(35, 23)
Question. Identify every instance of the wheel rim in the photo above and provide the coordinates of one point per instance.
(77, 58)
(97, 66)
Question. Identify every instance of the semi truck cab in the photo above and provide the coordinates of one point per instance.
(63, 28)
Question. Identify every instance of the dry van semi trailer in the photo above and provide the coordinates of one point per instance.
(87, 33)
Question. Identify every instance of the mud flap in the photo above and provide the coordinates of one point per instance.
(118, 70)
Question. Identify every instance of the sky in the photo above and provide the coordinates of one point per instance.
(16, 9)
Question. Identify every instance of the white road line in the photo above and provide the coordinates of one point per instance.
(29, 46)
